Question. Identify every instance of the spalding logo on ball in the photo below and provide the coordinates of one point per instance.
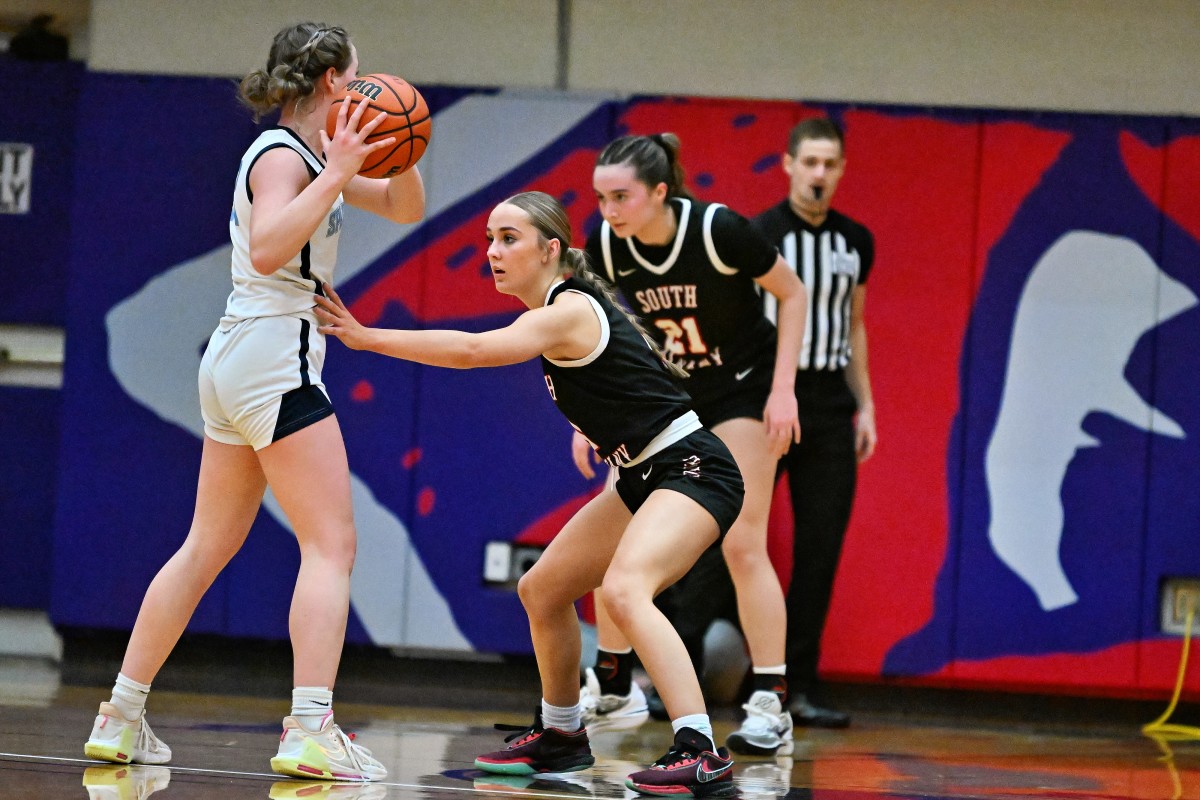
(407, 119)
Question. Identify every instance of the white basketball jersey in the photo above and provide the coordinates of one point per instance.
(289, 289)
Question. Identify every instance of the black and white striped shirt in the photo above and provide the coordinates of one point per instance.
(831, 259)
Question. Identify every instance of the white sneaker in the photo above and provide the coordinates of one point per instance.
(764, 780)
(319, 790)
(767, 729)
(327, 754)
(121, 782)
(611, 712)
(123, 741)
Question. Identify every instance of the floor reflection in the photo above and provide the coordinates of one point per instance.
(223, 744)
(122, 782)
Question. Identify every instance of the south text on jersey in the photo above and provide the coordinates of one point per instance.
(661, 298)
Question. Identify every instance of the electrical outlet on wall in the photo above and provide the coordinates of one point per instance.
(505, 562)
(1177, 597)
(497, 562)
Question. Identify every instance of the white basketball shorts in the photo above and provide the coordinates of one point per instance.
(260, 380)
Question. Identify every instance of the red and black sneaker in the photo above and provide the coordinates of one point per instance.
(689, 769)
(539, 749)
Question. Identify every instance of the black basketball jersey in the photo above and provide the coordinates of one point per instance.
(831, 260)
(696, 295)
(621, 396)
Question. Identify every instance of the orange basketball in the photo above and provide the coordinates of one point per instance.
(407, 120)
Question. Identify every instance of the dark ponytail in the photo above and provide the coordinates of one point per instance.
(654, 158)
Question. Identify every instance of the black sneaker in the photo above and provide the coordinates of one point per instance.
(655, 706)
(565, 784)
(536, 749)
(805, 713)
(689, 768)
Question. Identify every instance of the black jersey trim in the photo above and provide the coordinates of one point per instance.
(300, 408)
(306, 262)
(297, 145)
(551, 294)
(261, 153)
(304, 379)
(300, 142)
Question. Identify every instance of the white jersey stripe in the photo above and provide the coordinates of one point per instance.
(709, 246)
(680, 234)
(605, 332)
(606, 249)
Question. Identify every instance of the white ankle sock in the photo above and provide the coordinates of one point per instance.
(565, 718)
(129, 696)
(781, 669)
(697, 722)
(311, 705)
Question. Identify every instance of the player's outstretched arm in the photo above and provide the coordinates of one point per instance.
(537, 331)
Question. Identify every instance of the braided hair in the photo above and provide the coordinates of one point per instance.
(300, 55)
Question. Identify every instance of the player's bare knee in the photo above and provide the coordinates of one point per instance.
(743, 554)
(337, 548)
(538, 594)
(624, 597)
(208, 555)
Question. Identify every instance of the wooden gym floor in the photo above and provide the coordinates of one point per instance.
(219, 708)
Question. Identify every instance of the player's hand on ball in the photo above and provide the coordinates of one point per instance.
(347, 148)
(397, 143)
(336, 319)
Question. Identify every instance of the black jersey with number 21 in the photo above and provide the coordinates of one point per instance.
(696, 294)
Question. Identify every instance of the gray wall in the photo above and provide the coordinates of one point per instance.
(1086, 55)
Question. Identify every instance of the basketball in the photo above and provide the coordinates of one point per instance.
(407, 120)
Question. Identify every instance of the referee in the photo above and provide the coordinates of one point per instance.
(832, 254)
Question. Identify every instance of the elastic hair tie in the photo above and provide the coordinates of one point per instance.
(658, 139)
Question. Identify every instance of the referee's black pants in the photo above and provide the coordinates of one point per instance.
(822, 472)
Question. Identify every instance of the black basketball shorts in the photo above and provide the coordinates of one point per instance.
(698, 466)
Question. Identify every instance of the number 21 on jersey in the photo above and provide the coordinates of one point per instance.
(683, 337)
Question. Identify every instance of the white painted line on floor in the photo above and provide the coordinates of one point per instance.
(277, 777)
